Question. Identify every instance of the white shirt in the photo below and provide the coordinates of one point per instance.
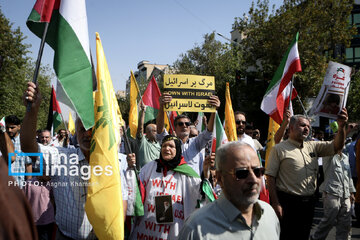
(247, 139)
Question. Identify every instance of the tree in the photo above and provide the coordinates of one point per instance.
(324, 32)
(16, 68)
(212, 58)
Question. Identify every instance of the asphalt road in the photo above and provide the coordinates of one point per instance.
(355, 230)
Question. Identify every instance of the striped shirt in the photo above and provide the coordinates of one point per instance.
(18, 166)
(68, 168)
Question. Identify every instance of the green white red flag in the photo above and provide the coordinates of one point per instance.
(68, 36)
(54, 116)
(277, 96)
(219, 136)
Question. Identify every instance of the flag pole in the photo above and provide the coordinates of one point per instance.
(291, 90)
(171, 126)
(38, 61)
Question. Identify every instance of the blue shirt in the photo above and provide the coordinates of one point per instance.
(18, 166)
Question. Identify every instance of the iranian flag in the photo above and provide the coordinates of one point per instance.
(54, 116)
(68, 35)
(277, 96)
(218, 136)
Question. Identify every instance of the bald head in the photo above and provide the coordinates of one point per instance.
(224, 153)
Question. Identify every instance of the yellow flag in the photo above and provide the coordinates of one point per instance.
(71, 124)
(133, 114)
(273, 127)
(104, 206)
(230, 126)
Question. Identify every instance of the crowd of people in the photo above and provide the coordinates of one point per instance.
(176, 170)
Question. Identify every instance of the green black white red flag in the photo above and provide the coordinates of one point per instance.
(68, 36)
(54, 116)
(277, 95)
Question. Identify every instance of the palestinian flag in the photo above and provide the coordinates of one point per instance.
(68, 35)
(151, 100)
(54, 116)
(218, 136)
(277, 95)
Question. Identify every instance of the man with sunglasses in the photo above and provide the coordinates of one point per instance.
(191, 147)
(240, 120)
(292, 173)
(237, 214)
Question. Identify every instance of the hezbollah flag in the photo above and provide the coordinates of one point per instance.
(54, 116)
(68, 36)
(277, 95)
(71, 125)
(230, 126)
(273, 127)
(104, 200)
(133, 114)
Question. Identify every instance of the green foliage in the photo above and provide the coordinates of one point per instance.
(212, 58)
(16, 68)
(323, 28)
(353, 101)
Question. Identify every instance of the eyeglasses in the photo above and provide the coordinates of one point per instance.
(181, 124)
(242, 173)
(238, 122)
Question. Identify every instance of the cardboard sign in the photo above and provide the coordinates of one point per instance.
(333, 93)
(190, 93)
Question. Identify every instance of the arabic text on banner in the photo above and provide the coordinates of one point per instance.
(190, 93)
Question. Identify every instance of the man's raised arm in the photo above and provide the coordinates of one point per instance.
(28, 128)
(339, 139)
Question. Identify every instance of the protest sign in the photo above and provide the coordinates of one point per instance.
(333, 93)
(190, 93)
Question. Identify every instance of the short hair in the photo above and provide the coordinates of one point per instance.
(61, 130)
(148, 125)
(180, 117)
(295, 118)
(45, 130)
(12, 119)
(239, 112)
(222, 152)
(153, 121)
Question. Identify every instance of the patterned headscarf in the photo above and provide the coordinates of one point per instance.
(173, 163)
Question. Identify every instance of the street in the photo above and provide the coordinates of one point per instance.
(355, 230)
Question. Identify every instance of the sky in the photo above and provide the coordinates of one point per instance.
(131, 31)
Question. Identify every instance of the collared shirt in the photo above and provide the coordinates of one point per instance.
(247, 139)
(295, 165)
(222, 220)
(69, 189)
(123, 165)
(337, 174)
(191, 149)
(18, 166)
(148, 150)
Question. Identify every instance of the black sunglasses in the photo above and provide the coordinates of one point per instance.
(181, 124)
(242, 173)
(238, 122)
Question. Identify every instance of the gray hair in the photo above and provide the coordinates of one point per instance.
(294, 119)
(223, 151)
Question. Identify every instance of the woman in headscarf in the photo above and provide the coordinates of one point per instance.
(167, 179)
